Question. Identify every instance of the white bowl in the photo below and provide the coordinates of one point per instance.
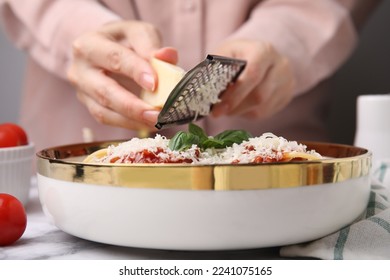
(16, 169)
(215, 207)
(201, 220)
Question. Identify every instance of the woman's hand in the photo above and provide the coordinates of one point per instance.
(109, 61)
(264, 87)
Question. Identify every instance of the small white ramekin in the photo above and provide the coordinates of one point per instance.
(16, 169)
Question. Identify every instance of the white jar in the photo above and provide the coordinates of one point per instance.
(373, 125)
(16, 165)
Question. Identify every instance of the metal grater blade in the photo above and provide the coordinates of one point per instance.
(198, 90)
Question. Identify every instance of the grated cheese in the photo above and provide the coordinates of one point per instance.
(265, 148)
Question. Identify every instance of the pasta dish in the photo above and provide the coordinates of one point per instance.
(263, 149)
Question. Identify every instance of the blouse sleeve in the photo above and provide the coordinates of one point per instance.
(317, 36)
(47, 28)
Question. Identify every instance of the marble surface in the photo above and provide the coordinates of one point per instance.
(42, 240)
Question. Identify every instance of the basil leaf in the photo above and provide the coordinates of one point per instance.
(229, 137)
(196, 135)
(212, 143)
(182, 141)
(198, 131)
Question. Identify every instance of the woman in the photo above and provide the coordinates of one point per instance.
(88, 61)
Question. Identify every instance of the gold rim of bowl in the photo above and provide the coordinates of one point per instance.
(341, 163)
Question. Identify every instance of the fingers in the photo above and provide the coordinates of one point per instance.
(271, 95)
(270, 107)
(142, 37)
(167, 54)
(115, 58)
(237, 93)
(104, 65)
(265, 86)
(260, 58)
(106, 100)
(106, 116)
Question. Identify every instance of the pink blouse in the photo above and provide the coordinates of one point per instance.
(317, 36)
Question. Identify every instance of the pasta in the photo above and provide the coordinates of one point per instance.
(263, 149)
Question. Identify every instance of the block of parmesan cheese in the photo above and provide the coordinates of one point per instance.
(168, 76)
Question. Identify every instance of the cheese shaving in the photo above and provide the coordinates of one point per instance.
(265, 148)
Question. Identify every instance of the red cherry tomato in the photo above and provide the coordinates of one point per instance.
(12, 135)
(8, 138)
(19, 131)
(13, 219)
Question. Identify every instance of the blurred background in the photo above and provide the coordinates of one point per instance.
(366, 72)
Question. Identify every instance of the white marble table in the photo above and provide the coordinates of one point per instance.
(42, 240)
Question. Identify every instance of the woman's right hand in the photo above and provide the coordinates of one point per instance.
(108, 59)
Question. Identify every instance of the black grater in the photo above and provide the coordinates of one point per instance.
(198, 90)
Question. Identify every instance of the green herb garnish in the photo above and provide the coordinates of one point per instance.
(196, 135)
(183, 141)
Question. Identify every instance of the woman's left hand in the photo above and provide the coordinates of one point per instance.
(265, 86)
